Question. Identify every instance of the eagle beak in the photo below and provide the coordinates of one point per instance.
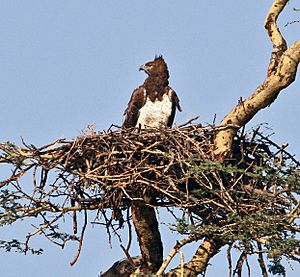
(144, 68)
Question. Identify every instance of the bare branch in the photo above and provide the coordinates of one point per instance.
(261, 261)
(282, 72)
(239, 264)
(81, 239)
(173, 252)
(278, 41)
(199, 261)
(229, 259)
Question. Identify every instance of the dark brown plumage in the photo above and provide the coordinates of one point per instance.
(154, 103)
(151, 105)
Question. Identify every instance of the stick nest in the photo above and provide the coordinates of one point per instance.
(110, 169)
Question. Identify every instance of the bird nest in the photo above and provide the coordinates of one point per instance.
(110, 169)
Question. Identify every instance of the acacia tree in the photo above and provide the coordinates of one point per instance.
(233, 189)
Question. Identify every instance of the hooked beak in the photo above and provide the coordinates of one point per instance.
(144, 68)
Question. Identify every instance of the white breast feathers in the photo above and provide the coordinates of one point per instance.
(155, 114)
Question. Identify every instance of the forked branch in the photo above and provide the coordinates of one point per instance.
(199, 261)
(281, 73)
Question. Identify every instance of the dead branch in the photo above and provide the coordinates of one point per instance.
(80, 240)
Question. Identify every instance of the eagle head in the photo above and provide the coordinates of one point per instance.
(156, 67)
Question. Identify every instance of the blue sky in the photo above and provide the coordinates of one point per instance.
(67, 64)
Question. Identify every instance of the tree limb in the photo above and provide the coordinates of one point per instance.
(199, 261)
(281, 73)
(146, 226)
(279, 43)
(173, 252)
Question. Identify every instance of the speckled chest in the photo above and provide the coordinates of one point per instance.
(157, 113)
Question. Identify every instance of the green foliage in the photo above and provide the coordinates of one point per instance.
(282, 245)
(256, 208)
(243, 229)
(9, 205)
(17, 246)
(276, 268)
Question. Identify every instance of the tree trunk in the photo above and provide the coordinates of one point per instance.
(146, 226)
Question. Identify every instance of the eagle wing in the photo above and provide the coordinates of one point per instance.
(136, 102)
(175, 104)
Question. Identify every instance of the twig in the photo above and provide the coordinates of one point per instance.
(229, 259)
(128, 256)
(181, 263)
(188, 122)
(261, 261)
(239, 264)
(81, 240)
(291, 22)
(40, 229)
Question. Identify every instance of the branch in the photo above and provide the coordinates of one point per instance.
(239, 264)
(229, 259)
(261, 261)
(146, 226)
(279, 43)
(81, 239)
(281, 73)
(250, 189)
(199, 262)
(173, 252)
(38, 230)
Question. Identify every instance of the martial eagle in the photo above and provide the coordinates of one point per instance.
(154, 103)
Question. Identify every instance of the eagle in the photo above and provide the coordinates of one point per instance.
(154, 103)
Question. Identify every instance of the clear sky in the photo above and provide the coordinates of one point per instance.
(65, 64)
